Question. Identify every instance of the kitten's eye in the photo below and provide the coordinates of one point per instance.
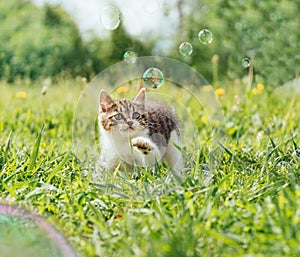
(118, 116)
(135, 115)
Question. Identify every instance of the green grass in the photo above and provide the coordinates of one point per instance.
(250, 207)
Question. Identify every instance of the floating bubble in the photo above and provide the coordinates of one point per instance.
(129, 57)
(205, 36)
(153, 77)
(110, 17)
(185, 90)
(246, 62)
(185, 48)
(26, 235)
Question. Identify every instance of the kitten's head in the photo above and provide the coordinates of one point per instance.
(126, 117)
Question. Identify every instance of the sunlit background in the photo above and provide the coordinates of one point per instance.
(57, 36)
(140, 17)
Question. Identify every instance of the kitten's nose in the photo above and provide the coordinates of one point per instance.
(129, 122)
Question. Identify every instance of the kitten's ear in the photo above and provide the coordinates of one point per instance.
(140, 97)
(105, 101)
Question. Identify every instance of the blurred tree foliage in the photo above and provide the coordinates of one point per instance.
(38, 42)
(45, 42)
(266, 31)
(106, 52)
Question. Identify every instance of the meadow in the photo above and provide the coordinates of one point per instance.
(249, 207)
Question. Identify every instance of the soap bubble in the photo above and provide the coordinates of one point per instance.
(186, 92)
(153, 77)
(186, 48)
(129, 57)
(205, 36)
(24, 234)
(246, 62)
(110, 17)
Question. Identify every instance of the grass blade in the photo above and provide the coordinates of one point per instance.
(227, 150)
(58, 168)
(7, 143)
(35, 150)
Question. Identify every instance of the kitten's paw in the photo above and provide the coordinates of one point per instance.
(141, 145)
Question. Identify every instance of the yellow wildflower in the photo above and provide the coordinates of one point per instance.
(255, 91)
(260, 86)
(220, 91)
(21, 94)
(122, 89)
(207, 88)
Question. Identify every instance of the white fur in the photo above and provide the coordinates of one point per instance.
(173, 156)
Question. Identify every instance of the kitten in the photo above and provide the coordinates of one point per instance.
(137, 132)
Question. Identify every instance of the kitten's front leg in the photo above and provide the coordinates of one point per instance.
(145, 151)
(108, 161)
(142, 145)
